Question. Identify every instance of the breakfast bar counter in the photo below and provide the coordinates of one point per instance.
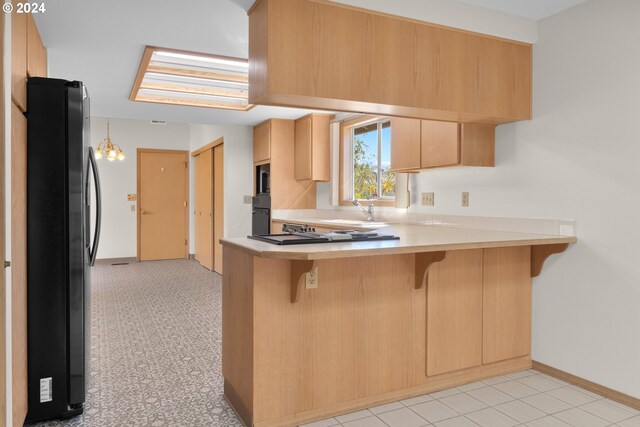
(313, 331)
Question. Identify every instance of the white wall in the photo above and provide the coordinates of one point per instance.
(577, 159)
(458, 15)
(238, 174)
(118, 237)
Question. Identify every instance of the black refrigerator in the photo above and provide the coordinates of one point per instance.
(61, 245)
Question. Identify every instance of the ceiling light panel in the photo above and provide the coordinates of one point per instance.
(169, 76)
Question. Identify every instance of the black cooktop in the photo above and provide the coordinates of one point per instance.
(311, 237)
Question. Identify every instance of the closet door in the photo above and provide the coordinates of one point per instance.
(197, 210)
(218, 208)
(204, 209)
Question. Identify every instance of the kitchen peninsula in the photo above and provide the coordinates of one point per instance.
(381, 321)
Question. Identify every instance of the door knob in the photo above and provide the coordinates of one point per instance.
(144, 213)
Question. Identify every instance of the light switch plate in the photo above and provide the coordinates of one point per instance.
(133, 208)
(465, 199)
(246, 200)
(427, 199)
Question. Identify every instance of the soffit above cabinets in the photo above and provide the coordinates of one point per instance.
(169, 76)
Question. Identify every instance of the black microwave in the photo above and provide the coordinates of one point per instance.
(262, 180)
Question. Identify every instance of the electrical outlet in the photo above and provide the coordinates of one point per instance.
(133, 208)
(246, 200)
(465, 199)
(427, 199)
(312, 279)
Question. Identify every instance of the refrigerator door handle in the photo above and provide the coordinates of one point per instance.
(96, 181)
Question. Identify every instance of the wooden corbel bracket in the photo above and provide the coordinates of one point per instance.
(299, 268)
(424, 261)
(540, 253)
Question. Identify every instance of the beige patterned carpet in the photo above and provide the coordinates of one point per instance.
(156, 348)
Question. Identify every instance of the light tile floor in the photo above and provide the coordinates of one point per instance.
(526, 398)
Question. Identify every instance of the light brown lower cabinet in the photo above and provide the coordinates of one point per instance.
(366, 335)
(478, 308)
(506, 307)
(454, 313)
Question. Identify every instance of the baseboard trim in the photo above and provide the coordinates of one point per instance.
(614, 395)
(433, 384)
(233, 399)
(116, 261)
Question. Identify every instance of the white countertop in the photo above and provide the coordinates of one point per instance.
(413, 239)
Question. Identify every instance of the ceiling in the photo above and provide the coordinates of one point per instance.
(101, 43)
(532, 9)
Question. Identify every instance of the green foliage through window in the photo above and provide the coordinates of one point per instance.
(372, 178)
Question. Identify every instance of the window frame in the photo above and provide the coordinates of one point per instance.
(346, 140)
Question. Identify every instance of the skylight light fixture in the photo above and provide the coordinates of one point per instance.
(237, 63)
(169, 76)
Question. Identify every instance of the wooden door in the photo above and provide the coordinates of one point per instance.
(440, 144)
(454, 312)
(19, 262)
(162, 214)
(204, 208)
(218, 205)
(3, 238)
(506, 303)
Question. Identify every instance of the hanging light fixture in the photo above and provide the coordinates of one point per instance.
(107, 148)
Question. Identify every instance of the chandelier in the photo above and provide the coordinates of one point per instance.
(112, 151)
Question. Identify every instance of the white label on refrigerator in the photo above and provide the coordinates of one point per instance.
(46, 391)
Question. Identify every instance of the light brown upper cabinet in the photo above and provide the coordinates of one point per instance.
(19, 59)
(36, 52)
(28, 56)
(440, 144)
(405, 144)
(262, 142)
(323, 55)
(277, 138)
(312, 147)
(423, 144)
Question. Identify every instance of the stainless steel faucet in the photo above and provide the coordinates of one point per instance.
(368, 211)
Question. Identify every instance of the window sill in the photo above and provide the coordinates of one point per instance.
(380, 203)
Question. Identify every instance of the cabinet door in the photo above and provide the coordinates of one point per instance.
(262, 142)
(302, 148)
(506, 303)
(19, 59)
(454, 312)
(440, 144)
(405, 144)
(477, 144)
(320, 147)
(36, 53)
